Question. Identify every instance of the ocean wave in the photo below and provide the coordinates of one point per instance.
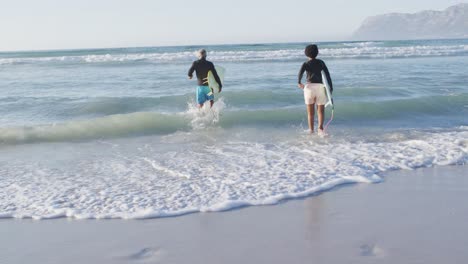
(222, 175)
(363, 43)
(71, 107)
(147, 123)
(105, 127)
(364, 50)
(377, 52)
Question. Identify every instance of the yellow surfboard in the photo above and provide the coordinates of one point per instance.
(212, 83)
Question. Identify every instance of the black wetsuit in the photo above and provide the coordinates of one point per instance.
(202, 67)
(314, 68)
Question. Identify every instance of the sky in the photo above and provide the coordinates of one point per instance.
(66, 24)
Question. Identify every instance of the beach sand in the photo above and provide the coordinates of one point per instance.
(415, 216)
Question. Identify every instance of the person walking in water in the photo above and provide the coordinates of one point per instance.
(314, 90)
(202, 67)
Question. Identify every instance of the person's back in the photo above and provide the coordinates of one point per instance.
(201, 67)
(314, 68)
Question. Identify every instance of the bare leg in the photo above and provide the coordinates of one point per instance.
(211, 103)
(310, 116)
(200, 106)
(320, 115)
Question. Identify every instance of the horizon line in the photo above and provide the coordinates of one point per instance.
(220, 44)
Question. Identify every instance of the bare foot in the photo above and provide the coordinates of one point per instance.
(321, 133)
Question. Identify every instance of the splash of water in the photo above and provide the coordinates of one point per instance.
(201, 118)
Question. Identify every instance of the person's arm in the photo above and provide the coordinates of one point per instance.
(327, 73)
(216, 76)
(299, 77)
(191, 70)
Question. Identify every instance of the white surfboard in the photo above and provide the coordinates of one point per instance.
(212, 81)
(327, 90)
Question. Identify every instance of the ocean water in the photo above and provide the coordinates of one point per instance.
(114, 133)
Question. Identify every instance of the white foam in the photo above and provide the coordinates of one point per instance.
(201, 118)
(363, 43)
(351, 50)
(369, 51)
(181, 173)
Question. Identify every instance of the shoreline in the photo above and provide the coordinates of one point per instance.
(415, 216)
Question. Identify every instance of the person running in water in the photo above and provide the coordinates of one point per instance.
(314, 90)
(202, 67)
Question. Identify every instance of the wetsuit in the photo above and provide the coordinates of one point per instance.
(314, 68)
(202, 67)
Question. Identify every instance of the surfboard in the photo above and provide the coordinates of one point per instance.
(212, 83)
(327, 90)
(329, 98)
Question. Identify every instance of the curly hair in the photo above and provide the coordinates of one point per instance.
(311, 51)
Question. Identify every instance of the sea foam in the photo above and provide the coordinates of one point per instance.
(366, 50)
(158, 179)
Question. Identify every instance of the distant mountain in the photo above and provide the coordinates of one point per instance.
(449, 23)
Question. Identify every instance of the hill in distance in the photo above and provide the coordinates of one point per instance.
(449, 23)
